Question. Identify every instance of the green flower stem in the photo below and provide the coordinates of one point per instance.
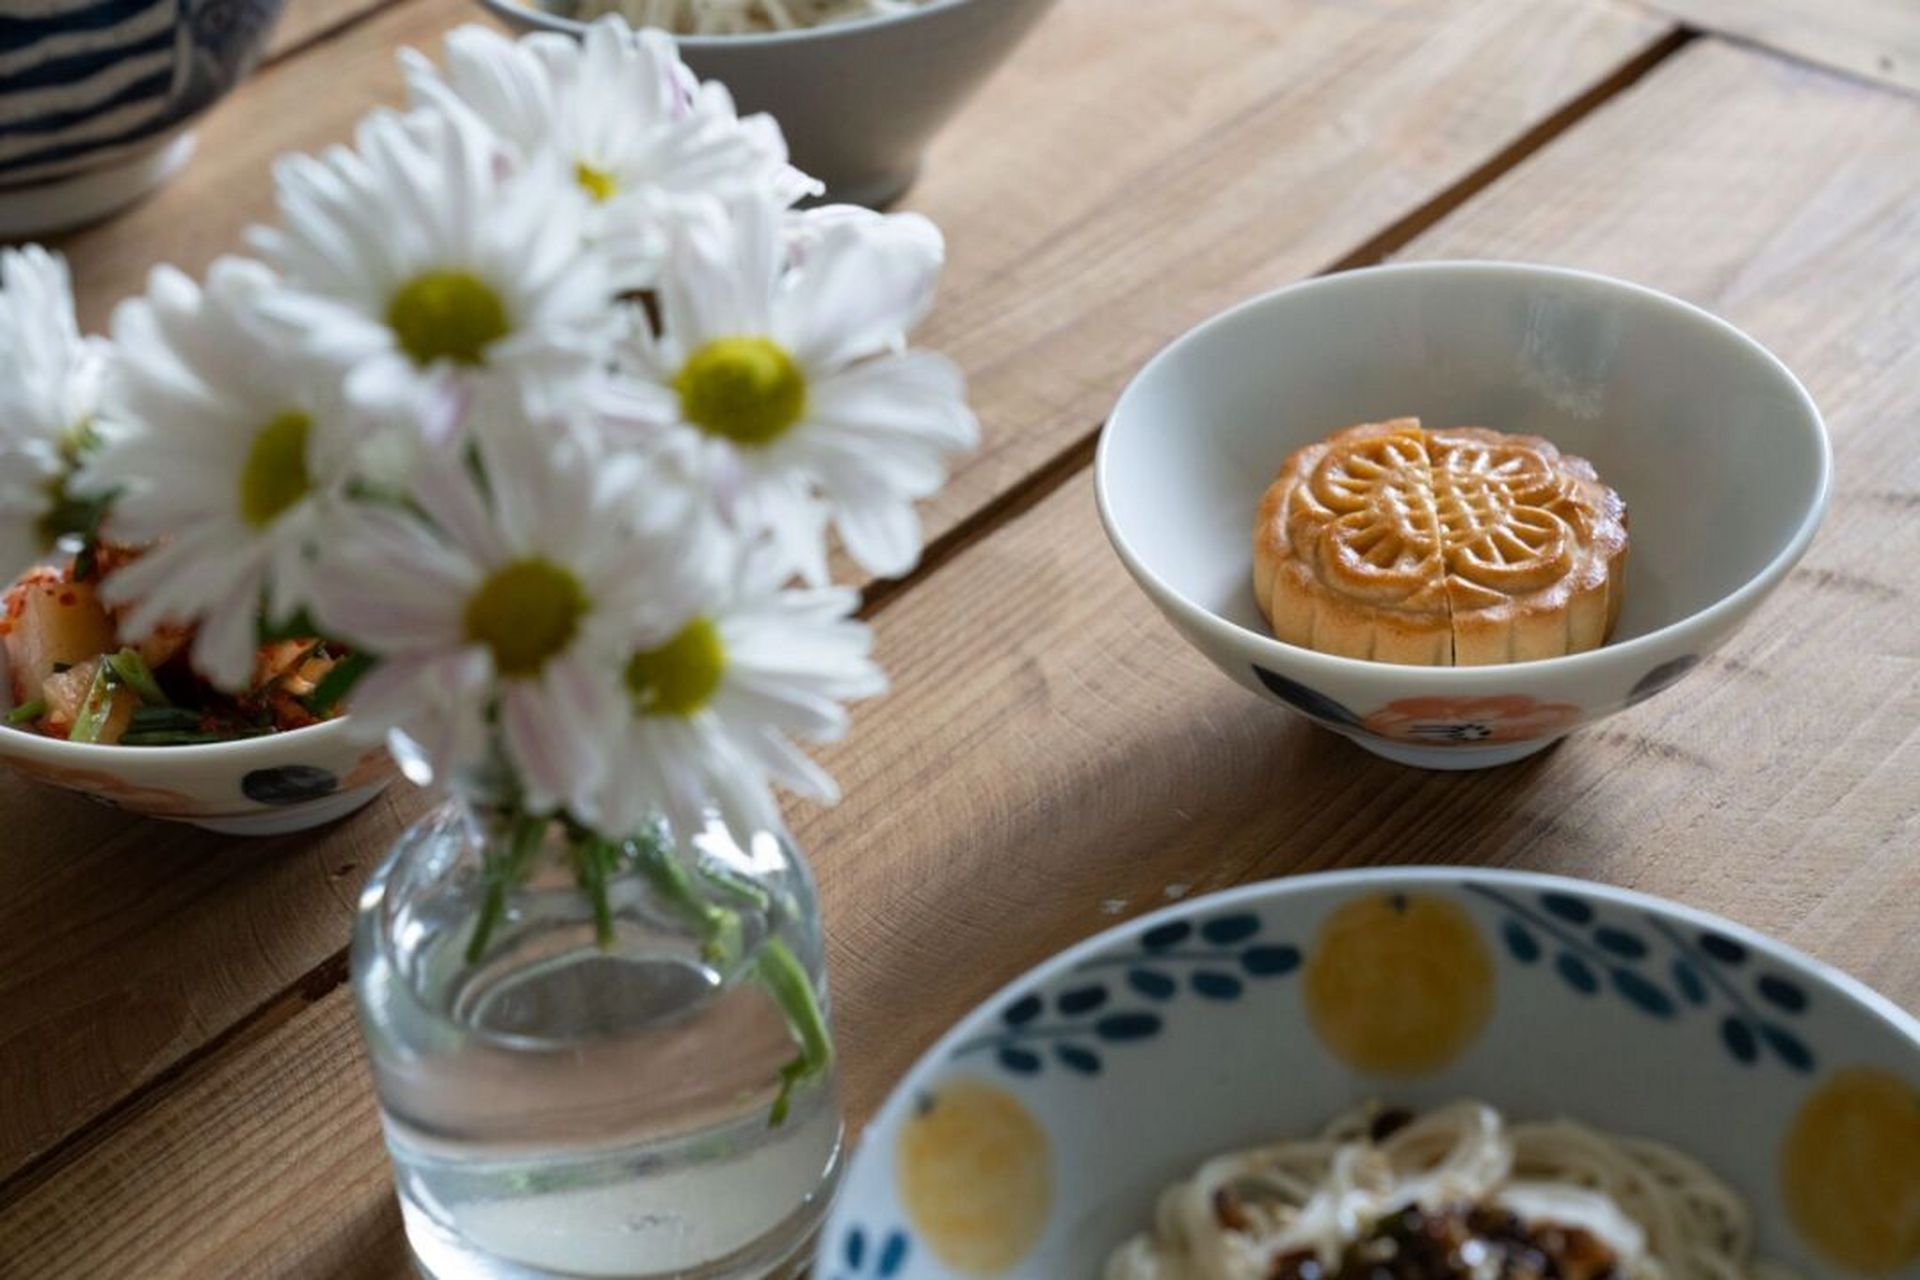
(791, 987)
(737, 885)
(592, 859)
(503, 872)
(719, 928)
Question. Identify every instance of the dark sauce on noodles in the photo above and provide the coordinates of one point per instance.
(1463, 1243)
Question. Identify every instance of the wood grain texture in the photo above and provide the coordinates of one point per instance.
(1054, 757)
(313, 1199)
(1251, 143)
(304, 21)
(1260, 144)
(1876, 39)
(300, 103)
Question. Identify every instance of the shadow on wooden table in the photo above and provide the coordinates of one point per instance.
(1229, 792)
(371, 1245)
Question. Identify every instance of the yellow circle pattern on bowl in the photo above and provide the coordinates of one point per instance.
(976, 1176)
(1850, 1170)
(1399, 984)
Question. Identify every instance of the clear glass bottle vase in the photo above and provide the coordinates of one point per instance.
(597, 1059)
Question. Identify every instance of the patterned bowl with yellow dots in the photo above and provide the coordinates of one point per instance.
(1035, 1136)
(1717, 449)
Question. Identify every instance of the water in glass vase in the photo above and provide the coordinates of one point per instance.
(556, 1107)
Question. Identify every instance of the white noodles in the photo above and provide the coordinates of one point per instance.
(731, 17)
(1662, 1214)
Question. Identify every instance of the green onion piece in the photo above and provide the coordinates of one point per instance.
(132, 671)
(95, 707)
(338, 683)
(171, 737)
(165, 718)
(27, 712)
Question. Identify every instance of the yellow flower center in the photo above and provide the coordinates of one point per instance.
(447, 315)
(746, 389)
(598, 183)
(679, 677)
(274, 476)
(526, 613)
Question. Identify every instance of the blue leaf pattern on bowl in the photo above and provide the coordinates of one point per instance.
(1211, 960)
(1661, 677)
(1308, 702)
(888, 1258)
(1707, 971)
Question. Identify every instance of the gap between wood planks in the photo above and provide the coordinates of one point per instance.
(1077, 456)
(296, 34)
(1069, 462)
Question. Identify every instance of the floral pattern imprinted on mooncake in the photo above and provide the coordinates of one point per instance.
(1469, 722)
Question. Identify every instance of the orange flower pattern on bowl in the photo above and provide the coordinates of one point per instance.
(1469, 722)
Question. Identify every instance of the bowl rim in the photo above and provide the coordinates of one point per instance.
(913, 1081)
(24, 742)
(1726, 609)
(513, 11)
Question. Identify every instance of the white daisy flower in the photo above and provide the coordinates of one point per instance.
(710, 711)
(646, 145)
(227, 450)
(494, 603)
(421, 271)
(781, 384)
(50, 380)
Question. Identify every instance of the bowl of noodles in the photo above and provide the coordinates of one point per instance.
(1403, 1075)
(859, 86)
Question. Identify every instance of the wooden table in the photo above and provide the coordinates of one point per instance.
(181, 1089)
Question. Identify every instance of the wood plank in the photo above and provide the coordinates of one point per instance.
(1875, 39)
(1055, 294)
(314, 1189)
(300, 103)
(1054, 757)
(1307, 127)
(1254, 142)
(304, 21)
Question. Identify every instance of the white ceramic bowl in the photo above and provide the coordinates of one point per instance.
(1034, 1136)
(859, 100)
(1717, 449)
(255, 786)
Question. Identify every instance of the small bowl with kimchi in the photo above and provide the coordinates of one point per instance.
(130, 725)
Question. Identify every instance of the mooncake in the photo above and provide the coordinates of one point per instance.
(1455, 547)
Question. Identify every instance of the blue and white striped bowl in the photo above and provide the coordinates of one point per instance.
(95, 97)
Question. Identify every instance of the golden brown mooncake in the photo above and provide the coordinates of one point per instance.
(1456, 547)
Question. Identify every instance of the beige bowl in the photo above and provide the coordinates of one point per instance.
(858, 101)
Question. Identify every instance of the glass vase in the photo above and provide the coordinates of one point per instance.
(597, 1059)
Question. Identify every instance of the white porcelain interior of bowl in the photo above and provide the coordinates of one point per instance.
(1223, 1074)
(1713, 444)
